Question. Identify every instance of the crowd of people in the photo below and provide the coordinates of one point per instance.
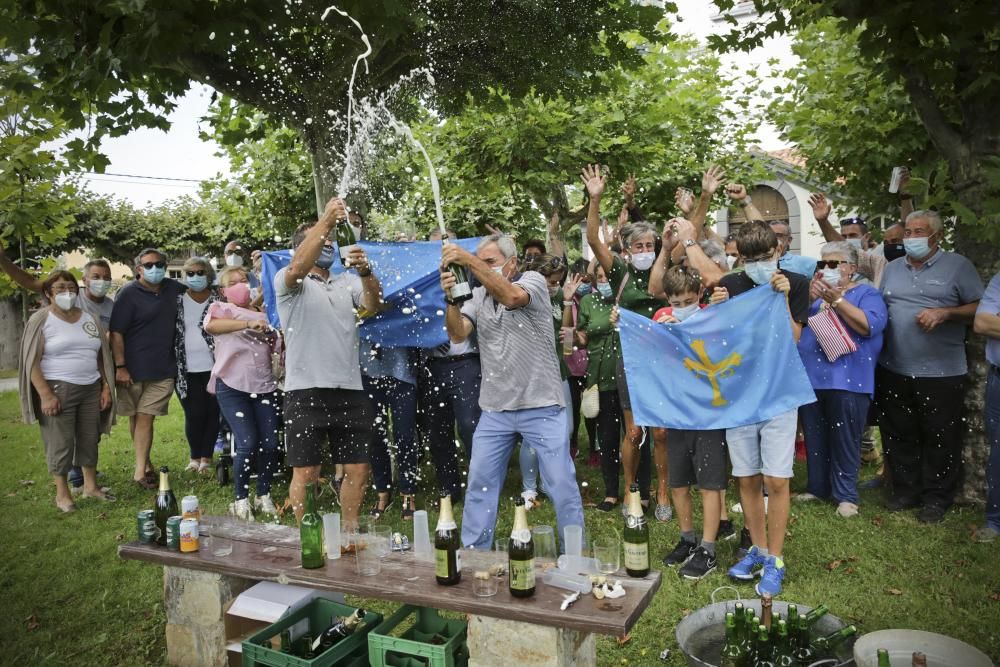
(881, 330)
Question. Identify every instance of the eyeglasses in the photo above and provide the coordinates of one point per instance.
(191, 274)
(149, 265)
(761, 258)
(857, 220)
(830, 263)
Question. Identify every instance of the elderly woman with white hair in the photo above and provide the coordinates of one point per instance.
(839, 349)
(192, 348)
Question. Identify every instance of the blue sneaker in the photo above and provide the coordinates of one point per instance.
(774, 573)
(749, 566)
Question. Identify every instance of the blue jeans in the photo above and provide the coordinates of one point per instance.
(389, 394)
(544, 430)
(992, 419)
(833, 427)
(254, 422)
(527, 457)
(449, 398)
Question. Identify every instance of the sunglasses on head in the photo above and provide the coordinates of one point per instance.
(829, 263)
(200, 272)
(149, 265)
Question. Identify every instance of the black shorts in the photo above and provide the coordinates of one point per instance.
(314, 417)
(697, 458)
(623, 398)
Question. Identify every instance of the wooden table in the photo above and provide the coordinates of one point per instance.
(533, 631)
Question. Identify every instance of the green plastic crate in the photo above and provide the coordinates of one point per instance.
(414, 647)
(257, 648)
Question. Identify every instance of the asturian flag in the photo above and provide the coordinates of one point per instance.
(728, 365)
(410, 284)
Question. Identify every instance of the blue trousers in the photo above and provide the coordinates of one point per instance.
(527, 457)
(389, 394)
(992, 419)
(253, 419)
(833, 427)
(544, 430)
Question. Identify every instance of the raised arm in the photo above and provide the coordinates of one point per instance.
(308, 251)
(508, 294)
(738, 194)
(662, 263)
(19, 275)
(594, 181)
(905, 197)
(554, 241)
(711, 180)
(821, 211)
(710, 272)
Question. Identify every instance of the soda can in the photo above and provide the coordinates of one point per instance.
(189, 507)
(146, 524)
(174, 533)
(189, 535)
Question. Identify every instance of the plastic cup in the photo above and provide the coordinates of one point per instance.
(331, 533)
(421, 536)
(545, 542)
(578, 564)
(366, 559)
(380, 539)
(573, 540)
(566, 580)
(607, 553)
(500, 546)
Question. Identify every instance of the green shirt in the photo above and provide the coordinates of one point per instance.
(635, 296)
(594, 319)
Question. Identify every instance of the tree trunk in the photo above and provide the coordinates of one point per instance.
(326, 161)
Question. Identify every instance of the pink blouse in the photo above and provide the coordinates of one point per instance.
(242, 358)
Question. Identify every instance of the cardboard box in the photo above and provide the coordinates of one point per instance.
(260, 606)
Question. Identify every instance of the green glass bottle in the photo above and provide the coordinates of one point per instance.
(783, 649)
(732, 655)
(346, 240)
(738, 616)
(447, 546)
(764, 656)
(521, 555)
(286, 642)
(636, 536)
(749, 637)
(311, 533)
(803, 652)
(461, 290)
(166, 506)
(826, 644)
(793, 620)
(883, 658)
(815, 614)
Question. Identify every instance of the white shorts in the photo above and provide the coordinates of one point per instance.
(767, 447)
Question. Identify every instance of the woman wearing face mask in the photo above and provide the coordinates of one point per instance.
(576, 362)
(629, 280)
(192, 348)
(66, 365)
(835, 423)
(595, 332)
(243, 381)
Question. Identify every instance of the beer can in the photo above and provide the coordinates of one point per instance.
(189, 507)
(174, 533)
(146, 524)
(189, 535)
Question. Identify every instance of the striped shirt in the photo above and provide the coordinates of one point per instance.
(519, 364)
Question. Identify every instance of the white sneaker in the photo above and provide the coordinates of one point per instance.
(738, 507)
(847, 510)
(241, 509)
(805, 498)
(265, 504)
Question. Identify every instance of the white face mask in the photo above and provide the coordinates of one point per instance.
(553, 290)
(65, 300)
(857, 243)
(643, 260)
(99, 287)
(831, 277)
(684, 312)
(731, 261)
(234, 260)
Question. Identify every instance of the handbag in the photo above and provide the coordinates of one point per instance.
(590, 402)
(831, 334)
(576, 362)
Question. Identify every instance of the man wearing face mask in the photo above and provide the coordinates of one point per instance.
(764, 452)
(325, 403)
(521, 392)
(932, 297)
(142, 340)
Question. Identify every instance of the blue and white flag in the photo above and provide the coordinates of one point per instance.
(410, 284)
(728, 365)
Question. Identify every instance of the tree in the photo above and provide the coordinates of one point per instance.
(116, 65)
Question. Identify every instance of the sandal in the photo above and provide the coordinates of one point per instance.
(376, 511)
(607, 505)
(664, 513)
(193, 466)
(66, 509)
(105, 495)
(406, 513)
(146, 484)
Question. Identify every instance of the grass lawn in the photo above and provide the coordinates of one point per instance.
(69, 599)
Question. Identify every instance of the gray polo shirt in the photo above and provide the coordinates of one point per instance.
(100, 311)
(946, 280)
(990, 305)
(319, 320)
(516, 349)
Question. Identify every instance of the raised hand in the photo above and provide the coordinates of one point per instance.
(623, 217)
(682, 229)
(712, 179)
(684, 200)
(594, 180)
(820, 206)
(492, 230)
(736, 192)
(904, 181)
(628, 190)
(335, 210)
(571, 285)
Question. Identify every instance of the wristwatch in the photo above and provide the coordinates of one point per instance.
(746, 201)
(836, 302)
(689, 242)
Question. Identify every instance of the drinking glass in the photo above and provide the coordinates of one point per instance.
(380, 539)
(366, 558)
(607, 553)
(545, 542)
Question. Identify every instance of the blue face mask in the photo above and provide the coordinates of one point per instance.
(684, 312)
(583, 290)
(197, 283)
(761, 272)
(917, 247)
(325, 259)
(604, 289)
(857, 243)
(155, 275)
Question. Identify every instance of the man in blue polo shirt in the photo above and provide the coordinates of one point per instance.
(932, 297)
(987, 323)
(142, 341)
